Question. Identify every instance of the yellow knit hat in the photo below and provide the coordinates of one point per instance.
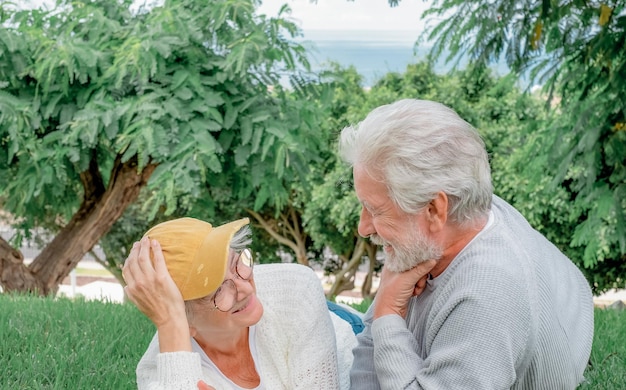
(195, 252)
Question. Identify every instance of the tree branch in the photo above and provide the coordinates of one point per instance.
(93, 186)
(275, 235)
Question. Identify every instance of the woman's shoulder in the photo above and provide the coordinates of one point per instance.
(284, 272)
(288, 284)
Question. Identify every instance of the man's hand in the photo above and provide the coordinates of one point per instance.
(396, 288)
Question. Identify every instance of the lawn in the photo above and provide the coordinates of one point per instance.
(607, 370)
(65, 344)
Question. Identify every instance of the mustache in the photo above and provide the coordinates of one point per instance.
(377, 240)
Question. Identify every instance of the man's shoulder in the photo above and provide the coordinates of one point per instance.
(479, 277)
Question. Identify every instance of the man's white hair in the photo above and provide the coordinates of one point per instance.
(418, 148)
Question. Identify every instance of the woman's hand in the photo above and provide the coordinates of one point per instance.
(151, 288)
(204, 386)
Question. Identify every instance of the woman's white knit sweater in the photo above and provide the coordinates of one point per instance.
(299, 343)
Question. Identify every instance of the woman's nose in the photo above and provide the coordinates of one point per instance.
(244, 287)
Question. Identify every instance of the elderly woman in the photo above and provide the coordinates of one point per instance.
(223, 322)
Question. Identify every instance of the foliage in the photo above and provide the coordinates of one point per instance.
(226, 197)
(331, 213)
(575, 50)
(189, 89)
(179, 85)
(118, 241)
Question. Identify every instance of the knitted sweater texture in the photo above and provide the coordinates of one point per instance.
(510, 312)
(300, 344)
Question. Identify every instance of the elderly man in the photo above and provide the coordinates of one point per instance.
(471, 296)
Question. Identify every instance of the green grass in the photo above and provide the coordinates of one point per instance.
(607, 370)
(65, 344)
(361, 306)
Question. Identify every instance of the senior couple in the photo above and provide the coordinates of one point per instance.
(470, 297)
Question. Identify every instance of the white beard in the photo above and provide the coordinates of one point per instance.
(405, 257)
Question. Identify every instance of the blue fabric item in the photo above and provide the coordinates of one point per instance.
(353, 319)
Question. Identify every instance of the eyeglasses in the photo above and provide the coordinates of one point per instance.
(226, 295)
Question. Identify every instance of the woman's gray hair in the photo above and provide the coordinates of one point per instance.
(240, 241)
(422, 147)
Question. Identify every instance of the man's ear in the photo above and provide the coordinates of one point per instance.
(437, 212)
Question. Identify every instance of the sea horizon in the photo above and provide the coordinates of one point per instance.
(373, 53)
(403, 37)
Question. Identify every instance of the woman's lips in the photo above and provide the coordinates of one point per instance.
(247, 305)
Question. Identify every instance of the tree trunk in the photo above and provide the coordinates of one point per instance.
(97, 213)
(344, 278)
(12, 269)
(366, 288)
(287, 231)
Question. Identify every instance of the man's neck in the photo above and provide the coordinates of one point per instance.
(455, 238)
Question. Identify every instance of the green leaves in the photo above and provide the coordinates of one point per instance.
(178, 85)
(575, 50)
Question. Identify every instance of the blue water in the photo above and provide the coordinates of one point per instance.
(373, 53)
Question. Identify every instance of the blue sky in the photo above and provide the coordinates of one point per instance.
(370, 15)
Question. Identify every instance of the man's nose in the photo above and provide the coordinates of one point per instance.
(366, 226)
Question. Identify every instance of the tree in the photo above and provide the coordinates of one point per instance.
(331, 217)
(331, 212)
(575, 50)
(99, 103)
(274, 201)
